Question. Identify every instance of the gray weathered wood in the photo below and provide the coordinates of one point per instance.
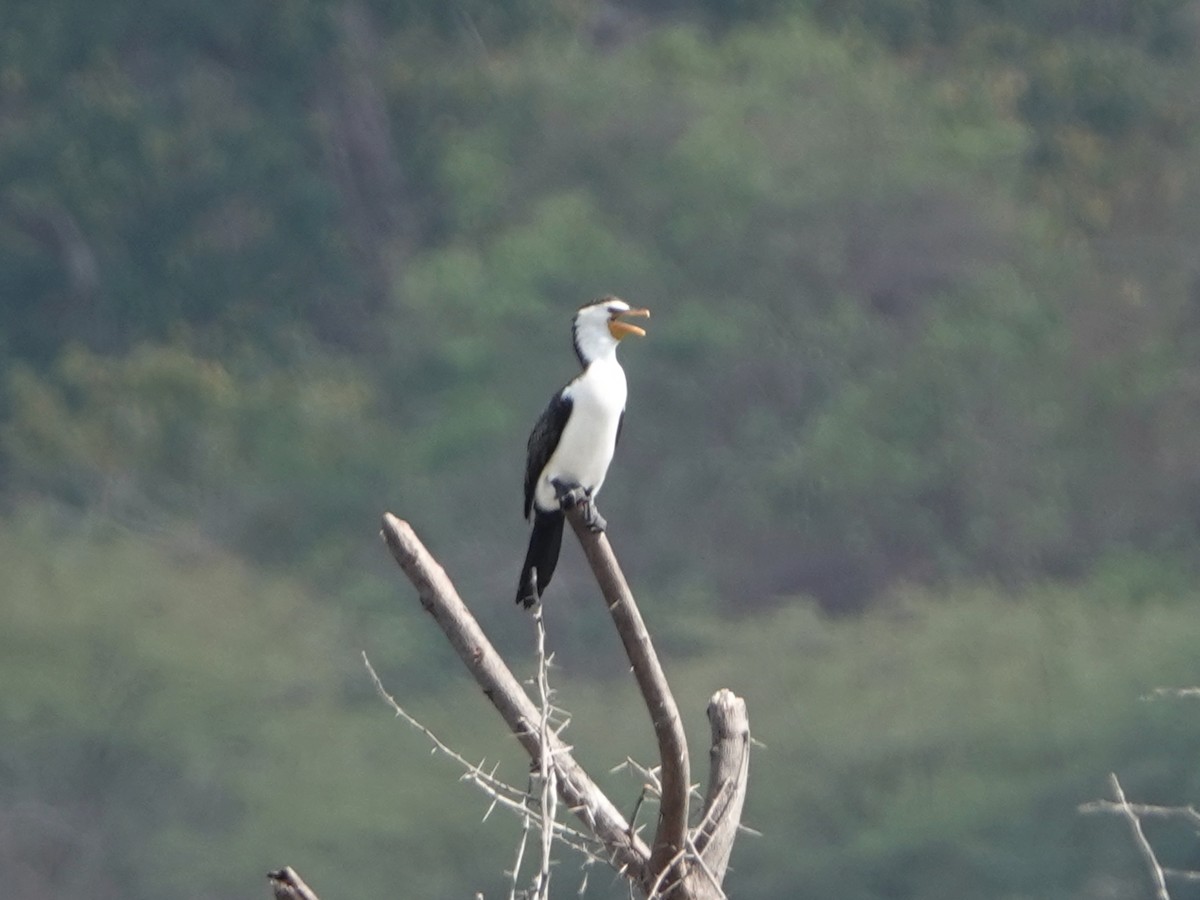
(729, 772)
(679, 865)
(670, 839)
(287, 885)
(627, 852)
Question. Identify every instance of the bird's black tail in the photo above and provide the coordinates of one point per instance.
(542, 556)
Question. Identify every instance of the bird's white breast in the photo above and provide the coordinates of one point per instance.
(586, 447)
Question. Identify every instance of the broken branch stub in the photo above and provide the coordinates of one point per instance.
(729, 772)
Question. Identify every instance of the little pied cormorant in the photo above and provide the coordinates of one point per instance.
(573, 442)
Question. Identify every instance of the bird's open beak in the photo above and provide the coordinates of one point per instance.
(620, 329)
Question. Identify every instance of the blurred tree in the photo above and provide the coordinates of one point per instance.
(843, 243)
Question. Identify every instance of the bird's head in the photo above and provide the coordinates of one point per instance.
(599, 327)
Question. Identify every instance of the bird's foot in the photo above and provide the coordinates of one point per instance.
(569, 495)
(573, 495)
(592, 518)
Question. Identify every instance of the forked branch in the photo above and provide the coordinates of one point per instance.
(579, 792)
(681, 864)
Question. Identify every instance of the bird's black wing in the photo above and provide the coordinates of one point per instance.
(620, 425)
(542, 442)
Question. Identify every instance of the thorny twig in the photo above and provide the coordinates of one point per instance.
(548, 791)
(1139, 811)
(1135, 812)
(1139, 837)
(502, 794)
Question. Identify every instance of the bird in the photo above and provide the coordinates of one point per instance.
(572, 444)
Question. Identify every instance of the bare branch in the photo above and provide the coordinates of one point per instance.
(729, 770)
(545, 781)
(526, 824)
(287, 885)
(546, 773)
(679, 864)
(1177, 693)
(1182, 875)
(1144, 810)
(712, 887)
(581, 795)
(1139, 837)
(663, 885)
(510, 797)
(670, 840)
(501, 793)
(651, 785)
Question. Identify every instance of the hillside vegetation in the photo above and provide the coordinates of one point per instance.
(910, 460)
(174, 718)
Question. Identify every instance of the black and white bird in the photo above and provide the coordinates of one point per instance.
(572, 444)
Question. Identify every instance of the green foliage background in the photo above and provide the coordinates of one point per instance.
(911, 458)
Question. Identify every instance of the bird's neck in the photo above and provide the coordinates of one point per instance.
(602, 378)
(592, 346)
(600, 362)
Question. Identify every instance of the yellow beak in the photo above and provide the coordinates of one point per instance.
(619, 329)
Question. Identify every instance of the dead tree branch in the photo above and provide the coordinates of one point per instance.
(1139, 838)
(1134, 813)
(505, 795)
(287, 885)
(680, 864)
(626, 851)
(547, 793)
(1188, 813)
(671, 835)
(729, 770)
